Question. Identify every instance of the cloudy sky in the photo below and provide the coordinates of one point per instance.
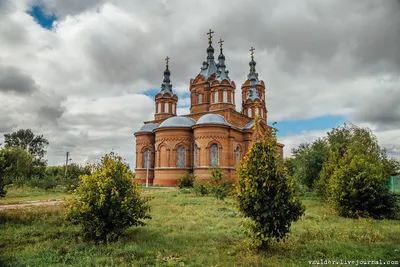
(84, 73)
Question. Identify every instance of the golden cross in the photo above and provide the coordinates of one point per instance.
(220, 43)
(167, 59)
(210, 36)
(252, 52)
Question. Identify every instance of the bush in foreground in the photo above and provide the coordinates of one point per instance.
(107, 202)
(265, 194)
(218, 184)
(356, 175)
(186, 181)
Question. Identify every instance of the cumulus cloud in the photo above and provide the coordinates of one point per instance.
(82, 83)
(13, 80)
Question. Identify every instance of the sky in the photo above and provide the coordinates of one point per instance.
(84, 73)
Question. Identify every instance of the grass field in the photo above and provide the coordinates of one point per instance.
(187, 230)
(17, 195)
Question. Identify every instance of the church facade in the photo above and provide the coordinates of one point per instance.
(214, 134)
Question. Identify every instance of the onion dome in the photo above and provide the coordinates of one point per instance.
(222, 73)
(166, 86)
(209, 67)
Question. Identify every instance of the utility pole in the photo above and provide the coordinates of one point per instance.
(147, 169)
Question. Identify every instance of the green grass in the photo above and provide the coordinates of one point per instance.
(17, 195)
(187, 230)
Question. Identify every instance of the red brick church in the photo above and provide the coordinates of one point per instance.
(213, 134)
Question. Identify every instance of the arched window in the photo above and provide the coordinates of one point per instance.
(159, 108)
(257, 111)
(166, 108)
(173, 108)
(216, 97)
(181, 157)
(196, 156)
(200, 99)
(249, 113)
(146, 158)
(237, 155)
(214, 155)
(225, 96)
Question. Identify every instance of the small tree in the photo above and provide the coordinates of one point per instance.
(218, 185)
(26, 139)
(308, 161)
(265, 194)
(358, 183)
(18, 165)
(107, 201)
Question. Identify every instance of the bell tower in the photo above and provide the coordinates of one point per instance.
(222, 89)
(200, 95)
(253, 93)
(166, 100)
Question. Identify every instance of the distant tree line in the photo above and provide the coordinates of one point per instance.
(22, 163)
(349, 170)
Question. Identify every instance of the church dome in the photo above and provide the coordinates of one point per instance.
(212, 119)
(148, 128)
(177, 122)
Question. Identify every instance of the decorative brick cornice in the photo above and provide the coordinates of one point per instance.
(211, 137)
(179, 139)
(144, 143)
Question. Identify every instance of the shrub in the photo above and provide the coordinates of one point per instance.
(187, 180)
(107, 201)
(18, 165)
(218, 185)
(3, 182)
(74, 171)
(200, 189)
(47, 182)
(265, 194)
(358, 182)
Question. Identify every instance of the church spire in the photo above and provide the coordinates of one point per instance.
(222, 74)
(166, 100)
(209, 67)
(253, 77)
(166, 86)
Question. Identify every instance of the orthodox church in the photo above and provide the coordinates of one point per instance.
(213, 134)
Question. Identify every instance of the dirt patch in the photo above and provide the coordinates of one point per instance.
(31, 204)
(42, 203)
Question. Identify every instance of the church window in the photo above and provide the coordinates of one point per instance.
(225, 95)
(216, 97)
(200, 98)
(173, 109)
(181, 157)
(146, 158)
(214, 155)
(159, 108)
(237, 155)
(196, 156)
(257, 111)
(249, 112)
